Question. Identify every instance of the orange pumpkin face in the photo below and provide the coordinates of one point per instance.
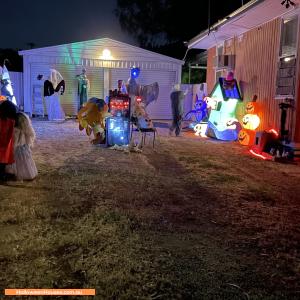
(251, 107)
(246, 137)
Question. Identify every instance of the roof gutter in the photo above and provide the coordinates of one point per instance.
(224, 21)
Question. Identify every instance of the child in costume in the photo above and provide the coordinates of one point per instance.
(24, 167)
(8, 113)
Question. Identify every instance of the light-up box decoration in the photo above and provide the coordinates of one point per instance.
(118, 130)
(222, 121)
(118, 125)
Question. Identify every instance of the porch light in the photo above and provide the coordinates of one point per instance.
(106, 54)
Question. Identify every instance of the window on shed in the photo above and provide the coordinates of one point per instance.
(286, 72)
(289, 32)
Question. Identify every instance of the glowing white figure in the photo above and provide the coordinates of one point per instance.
(6, 85)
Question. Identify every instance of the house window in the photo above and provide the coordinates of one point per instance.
(219, 68)
(289, 32)
(287, 63)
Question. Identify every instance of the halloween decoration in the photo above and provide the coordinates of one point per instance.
(222, 122)
(199, 112)
(6, 84)
(246, 137)
(252, 107)
(54, 86)
(177, 102)
(118, 124)
(251, 122)
(91, 117)
(200, 129)
(286, 108)
(83, 87)
(148, 93)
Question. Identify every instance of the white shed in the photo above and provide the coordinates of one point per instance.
(103, 72)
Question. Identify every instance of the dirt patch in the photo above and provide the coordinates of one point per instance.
(190, 219)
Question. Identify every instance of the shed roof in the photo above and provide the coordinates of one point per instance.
(249, 16)
(92, 49)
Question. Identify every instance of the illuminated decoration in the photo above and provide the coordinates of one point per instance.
(269, 141)
(251, 122)
(222, 122)
(106, 55)
(118, 125)
(246, 137)
(273, 131)
(200, 129)
(200, 110)
(251, 107)
(117, 131)
(259, 155)
(6, 84)
(135, 72)
(2, 98)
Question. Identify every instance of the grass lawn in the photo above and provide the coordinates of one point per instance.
(190, 219)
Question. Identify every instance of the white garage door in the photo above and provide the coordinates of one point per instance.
(161, 109)
(70, 98)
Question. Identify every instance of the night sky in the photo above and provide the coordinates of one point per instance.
(58, 22)
(46, 23)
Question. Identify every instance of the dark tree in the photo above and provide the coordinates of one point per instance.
(165, 24)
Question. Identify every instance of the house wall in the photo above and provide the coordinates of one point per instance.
(165, 70)
(255, 69)
(210, 72)
(297, 127)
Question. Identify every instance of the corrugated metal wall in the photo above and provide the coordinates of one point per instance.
(70, 98)
(255, 69)
(161, 109)
(210, 73)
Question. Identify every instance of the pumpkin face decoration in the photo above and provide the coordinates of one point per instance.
(251, 107)
(246, 137)
(251, 122)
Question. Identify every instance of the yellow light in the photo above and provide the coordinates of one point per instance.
(287, 59)
(106, 54)
(251, 122)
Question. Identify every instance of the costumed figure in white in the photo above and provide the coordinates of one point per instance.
(54, 86)
(6, 85)
(24, 167)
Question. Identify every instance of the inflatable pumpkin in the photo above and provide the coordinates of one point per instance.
(246, 137)
(251, 107)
